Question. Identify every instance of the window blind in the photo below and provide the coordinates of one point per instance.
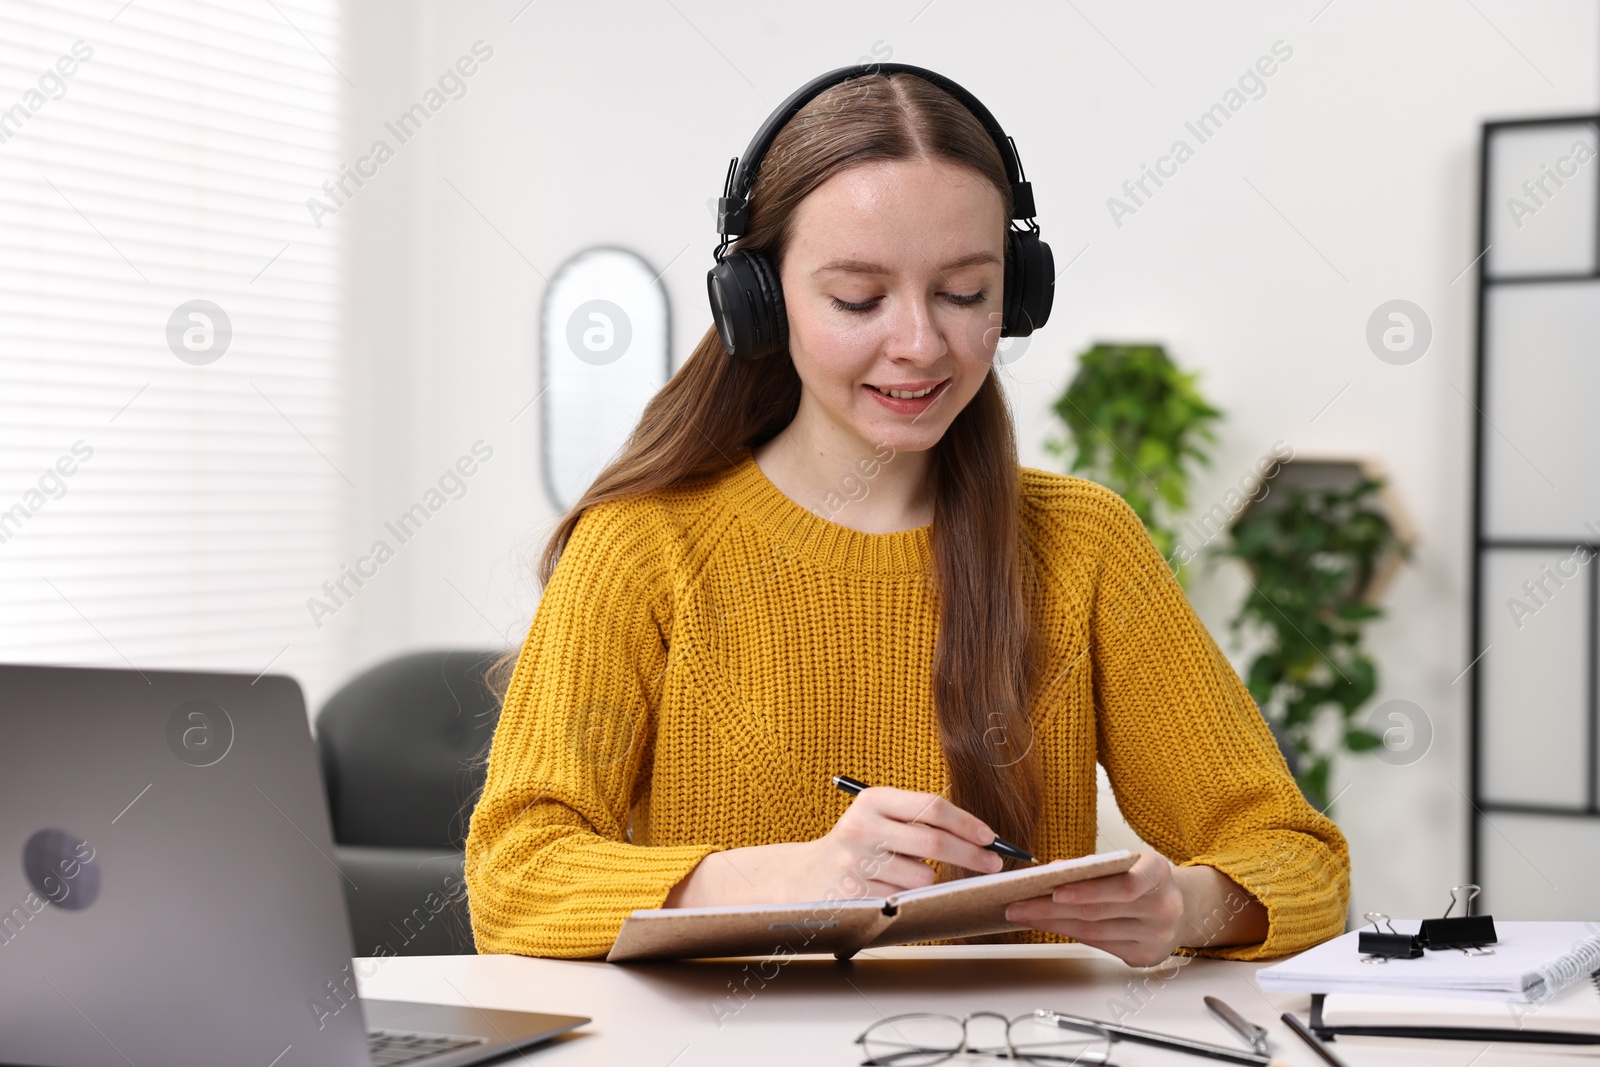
(173, 474)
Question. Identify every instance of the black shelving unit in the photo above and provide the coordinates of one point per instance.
(1494, 423)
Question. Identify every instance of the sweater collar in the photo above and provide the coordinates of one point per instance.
(761, 504)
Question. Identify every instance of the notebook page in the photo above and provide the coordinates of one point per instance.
(1021, 874)
(974, 907)
(748, 929)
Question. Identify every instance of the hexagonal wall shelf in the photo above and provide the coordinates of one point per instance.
(1314, 474)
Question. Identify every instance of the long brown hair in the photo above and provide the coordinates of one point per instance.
(985, 662)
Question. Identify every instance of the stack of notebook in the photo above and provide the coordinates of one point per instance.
(1540, 986)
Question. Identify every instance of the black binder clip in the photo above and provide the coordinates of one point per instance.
(1376, 946)
(1467, 932)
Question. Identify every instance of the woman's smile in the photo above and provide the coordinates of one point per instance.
(912, 399)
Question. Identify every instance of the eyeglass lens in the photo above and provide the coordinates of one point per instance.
(1041, 1041)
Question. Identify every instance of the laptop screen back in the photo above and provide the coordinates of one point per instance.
(168, 890)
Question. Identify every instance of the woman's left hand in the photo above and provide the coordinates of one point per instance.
(1147, 911)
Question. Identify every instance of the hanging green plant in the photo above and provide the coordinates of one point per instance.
(1312, 556)
(1136, 423)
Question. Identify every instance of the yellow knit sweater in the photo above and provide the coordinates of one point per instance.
(704, 659)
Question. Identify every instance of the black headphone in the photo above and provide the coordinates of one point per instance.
(746, 297)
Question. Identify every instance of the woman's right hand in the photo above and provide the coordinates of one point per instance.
(881, 840)
(876, 848)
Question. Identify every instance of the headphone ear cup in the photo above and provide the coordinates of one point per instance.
(1030, 284)
(747, 305)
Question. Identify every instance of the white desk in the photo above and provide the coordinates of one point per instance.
(811, 1008)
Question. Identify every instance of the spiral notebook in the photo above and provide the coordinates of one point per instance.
(1531, 962)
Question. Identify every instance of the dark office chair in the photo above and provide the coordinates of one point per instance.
(395, 743)
(1290, 756)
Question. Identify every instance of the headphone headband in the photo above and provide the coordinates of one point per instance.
(745, 290)
(742, 170)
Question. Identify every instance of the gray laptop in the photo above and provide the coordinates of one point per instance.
(168, 893)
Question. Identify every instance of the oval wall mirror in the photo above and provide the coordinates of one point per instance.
(603, 334)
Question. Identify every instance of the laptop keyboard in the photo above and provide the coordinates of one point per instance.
(391, 1047)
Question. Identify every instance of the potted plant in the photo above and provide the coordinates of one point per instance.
(1137, 424)
(1318, 555)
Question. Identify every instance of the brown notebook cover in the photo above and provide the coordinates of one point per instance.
(966, 908)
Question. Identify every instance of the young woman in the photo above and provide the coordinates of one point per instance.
(830, 562)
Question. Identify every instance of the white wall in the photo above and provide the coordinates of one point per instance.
(1351, 182)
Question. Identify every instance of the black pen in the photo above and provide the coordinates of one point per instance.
(1305, 1034)
(854, 788)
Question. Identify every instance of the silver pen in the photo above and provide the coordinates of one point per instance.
(1251, 1034)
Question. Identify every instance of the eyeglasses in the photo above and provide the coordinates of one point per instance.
(918, 1039)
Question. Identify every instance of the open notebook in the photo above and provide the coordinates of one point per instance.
(969, 907)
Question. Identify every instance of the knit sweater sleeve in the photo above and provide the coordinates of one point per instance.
(1194, 768)
(549, 868)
